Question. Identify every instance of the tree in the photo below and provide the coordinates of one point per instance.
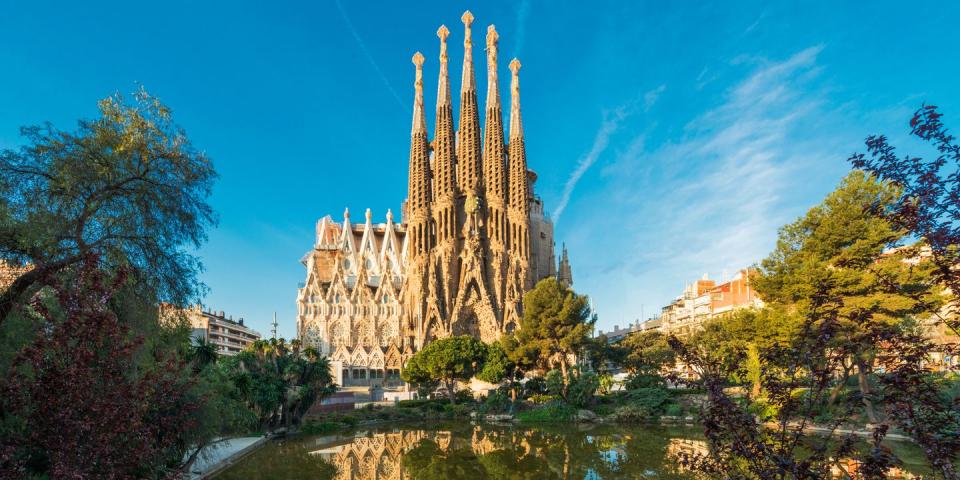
(843, 245)
(278, 384)
(556, 326)
(927, 208)
(497, 366)
(834, 271)
(446, 360)
(203, 353)
(646, 353)
(128, 186)
(76, 405)
(416, 373)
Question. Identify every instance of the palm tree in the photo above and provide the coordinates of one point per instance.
(203, 353)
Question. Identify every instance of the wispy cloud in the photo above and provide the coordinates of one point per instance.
(610, 124)
(711, 199)
(369, 57)
(612, 120)
(650, 98)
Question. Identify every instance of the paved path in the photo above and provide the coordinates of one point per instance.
(223, 454)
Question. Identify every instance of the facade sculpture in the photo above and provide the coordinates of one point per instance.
(462, 256)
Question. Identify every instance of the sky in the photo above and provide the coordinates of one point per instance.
(671, 139)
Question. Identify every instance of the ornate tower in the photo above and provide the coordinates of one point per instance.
(469, 174)
(494, 176)
(518, 211)
(419, 235)
(564, 273)
(444, 272)
(475, 312)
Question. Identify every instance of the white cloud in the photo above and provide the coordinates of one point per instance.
(612, 120)
(713, 199)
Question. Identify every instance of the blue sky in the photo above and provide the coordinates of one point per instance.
(671, 139)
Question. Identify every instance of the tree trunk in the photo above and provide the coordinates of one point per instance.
(865, 391)
(451, 384)
(839, 388)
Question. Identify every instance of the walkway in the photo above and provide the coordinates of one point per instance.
(222, 454)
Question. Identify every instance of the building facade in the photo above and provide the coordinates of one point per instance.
(705, 300)
(472, 238)
(229, 336)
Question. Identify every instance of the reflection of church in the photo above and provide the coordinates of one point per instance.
(472, 239)
(379, 455)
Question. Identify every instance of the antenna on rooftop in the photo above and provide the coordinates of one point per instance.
(274, 325)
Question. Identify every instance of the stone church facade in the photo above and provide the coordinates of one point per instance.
(472, 239)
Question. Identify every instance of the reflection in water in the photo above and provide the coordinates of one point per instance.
(453, 451)
(461, 450)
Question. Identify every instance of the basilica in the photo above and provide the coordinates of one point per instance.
(472, 237)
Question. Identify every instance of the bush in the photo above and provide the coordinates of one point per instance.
(312, 427)
(554, 382)
(582, 389)
(541, 398)
(457, 410)
(555, 411)
(645, 380)
(534, 386)
(497, 402)
(652, 400)
(463, 396)
(674, 410)
(632, 413)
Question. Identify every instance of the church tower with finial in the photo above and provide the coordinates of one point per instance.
(473, 238)
(564, 273)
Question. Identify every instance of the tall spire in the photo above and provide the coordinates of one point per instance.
(518, 154)
(493, 147)
(444, 142)
(418, 188)
(468, 138)
(419, 117)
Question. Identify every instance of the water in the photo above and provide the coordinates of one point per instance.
(461, 450)
(451, 451)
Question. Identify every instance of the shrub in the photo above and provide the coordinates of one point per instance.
(632, 413)
(554, 382)
(653, 400)
(463, 396)
(555, 411)
(541, 398)
(534, 386)
(457, 410)
(312, 427)
(495, 403)
(582, 389)
(645, 380)
(674, 410)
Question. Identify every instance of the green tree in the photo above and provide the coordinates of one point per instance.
(446, 360)
(556, 326)
(203, 353)
(128, 185)
(646, 353)
(497, 366)
(278, 385)
(838, 257)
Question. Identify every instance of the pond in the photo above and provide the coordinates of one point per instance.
(451, 451)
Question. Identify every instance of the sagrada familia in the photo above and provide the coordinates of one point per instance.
(472, 239)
